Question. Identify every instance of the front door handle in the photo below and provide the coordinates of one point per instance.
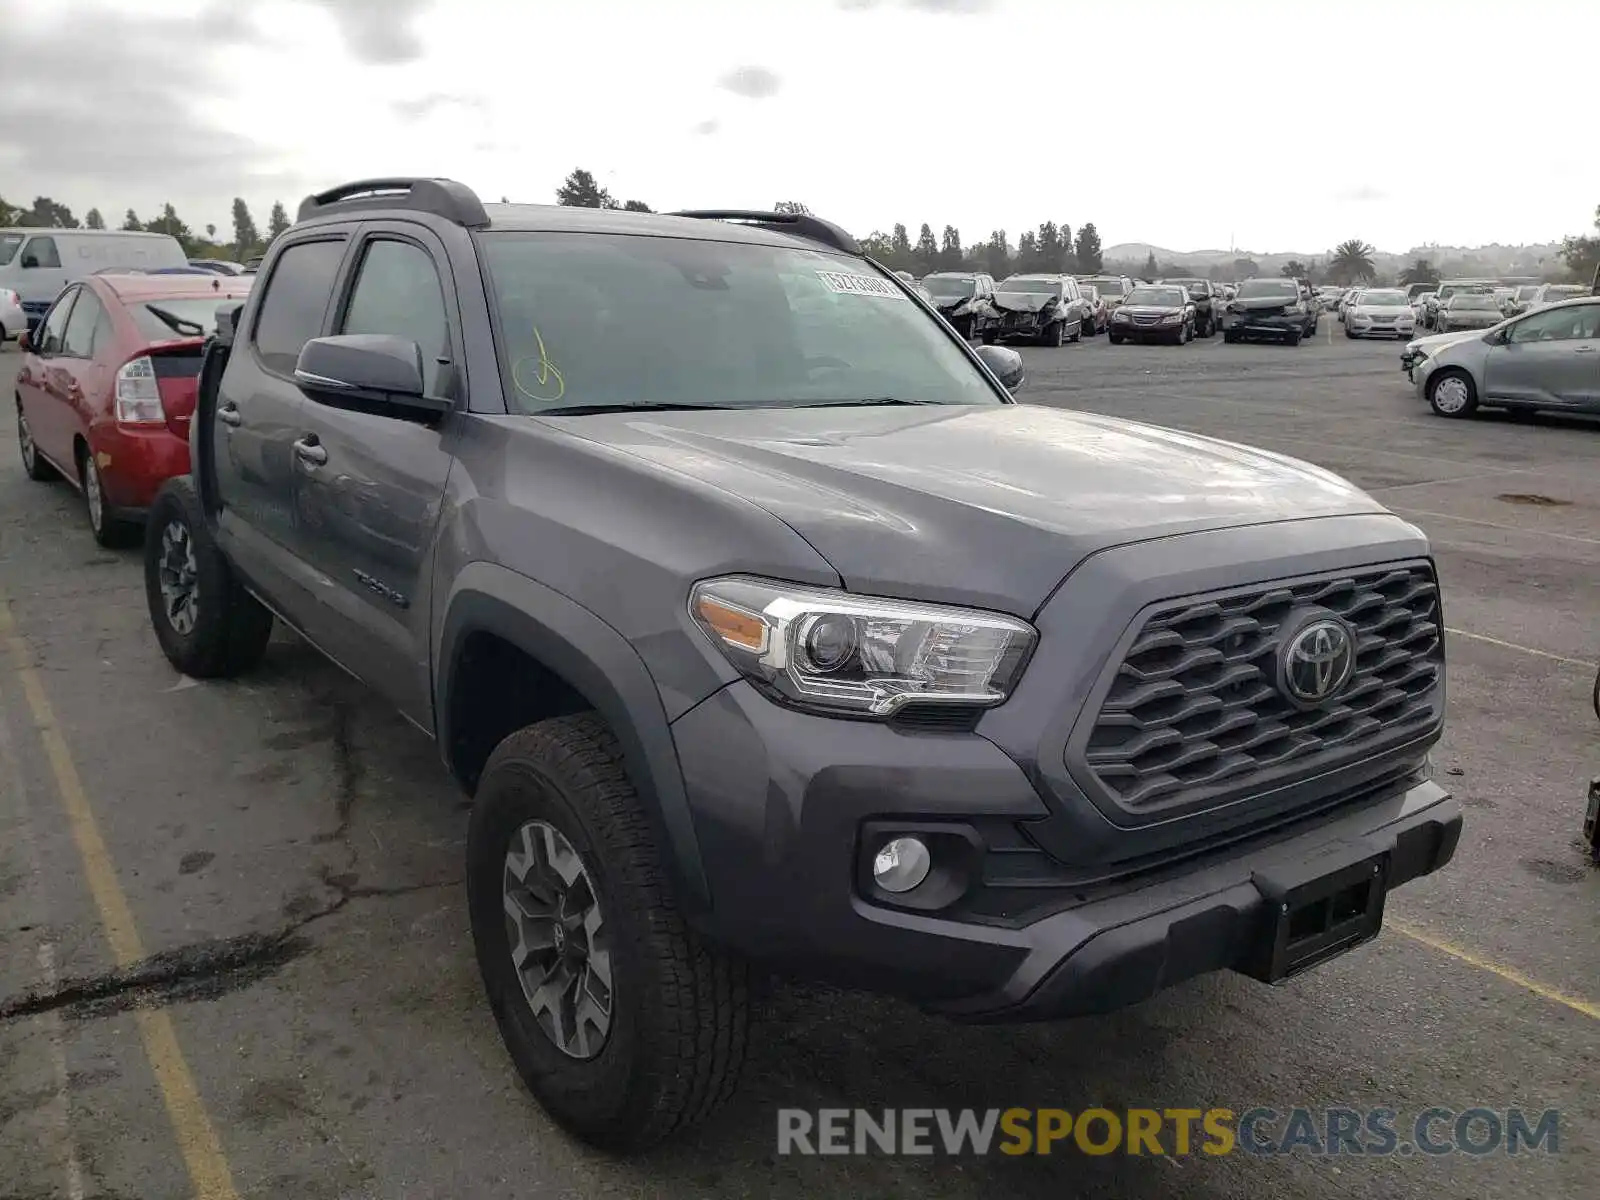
(311, 452)
(228, 414)
(1584, 350)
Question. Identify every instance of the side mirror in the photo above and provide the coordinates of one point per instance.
(1005, 363)
(367, 369)
(24, 341)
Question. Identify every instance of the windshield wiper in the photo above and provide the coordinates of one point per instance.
(579, 410)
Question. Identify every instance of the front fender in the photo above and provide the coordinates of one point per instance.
(603, 666)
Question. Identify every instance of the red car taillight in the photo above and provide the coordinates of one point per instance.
(138, 393)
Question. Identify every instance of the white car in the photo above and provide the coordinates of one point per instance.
(1379, 312)
(12, 319)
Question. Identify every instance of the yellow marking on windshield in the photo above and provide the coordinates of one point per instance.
(549, 375)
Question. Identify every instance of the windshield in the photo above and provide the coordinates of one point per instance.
(1163, 297)
(951, 285)
(1381, 299)
(614, 319)
(1472, 300)
(1032, 287)
(163, 319)
(1527, 293)
(9, 243)
(1106, 287)
(1265, 289)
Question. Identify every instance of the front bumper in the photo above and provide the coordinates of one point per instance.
(1146, 333)
(1407, 329)
(789, 808)
(1246, 325)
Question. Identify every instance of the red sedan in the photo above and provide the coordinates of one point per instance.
(108, 384)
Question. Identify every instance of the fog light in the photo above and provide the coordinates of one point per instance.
(901, 865)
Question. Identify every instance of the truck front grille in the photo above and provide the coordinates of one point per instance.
(1193, 717)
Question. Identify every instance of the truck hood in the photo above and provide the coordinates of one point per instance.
(989, 506)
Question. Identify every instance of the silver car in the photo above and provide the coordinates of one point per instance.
(1468, 310)
(1379, 312)
(1545, 359)
(12, 319)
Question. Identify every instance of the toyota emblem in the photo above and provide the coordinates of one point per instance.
(1317, 662)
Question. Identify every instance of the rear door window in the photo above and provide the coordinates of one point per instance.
(79, 341)
(295, 304)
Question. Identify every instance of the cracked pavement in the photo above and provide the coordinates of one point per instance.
(291, 852)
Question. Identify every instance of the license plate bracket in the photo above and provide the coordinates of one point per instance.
(1313, 915)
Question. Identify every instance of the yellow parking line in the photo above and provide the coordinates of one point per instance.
(196, 1136)
(1510, 974)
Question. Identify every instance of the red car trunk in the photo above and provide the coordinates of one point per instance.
(177, 367)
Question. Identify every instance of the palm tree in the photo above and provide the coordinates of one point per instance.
(1420, 271)
(1351, 261)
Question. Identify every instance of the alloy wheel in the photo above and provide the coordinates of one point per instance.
(179, 576)
(559, 939)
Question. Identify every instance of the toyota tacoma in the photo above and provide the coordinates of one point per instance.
(768, 631)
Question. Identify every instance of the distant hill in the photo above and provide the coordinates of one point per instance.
(1451, 260)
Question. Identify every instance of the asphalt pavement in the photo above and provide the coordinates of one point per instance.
(234, 954)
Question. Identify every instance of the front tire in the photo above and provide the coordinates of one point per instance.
(558, 838)
(1451, 393)
(208, 625)
(1056, 335)
(1114, 338)
(1292, 338)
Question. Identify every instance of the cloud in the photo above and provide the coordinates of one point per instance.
(1365, 194)
(754, 83)
(708, 126)
(129, 123)
(417, 107)
(948, 7)
(378, 33)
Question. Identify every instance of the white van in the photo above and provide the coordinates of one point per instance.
(38, 263)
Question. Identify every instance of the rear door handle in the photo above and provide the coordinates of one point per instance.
(1584, 350)
(309, 451)
(228, 414)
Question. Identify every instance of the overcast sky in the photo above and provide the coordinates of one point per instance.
(1270, 124)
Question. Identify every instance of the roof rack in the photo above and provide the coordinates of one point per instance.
(442, 197)
(801, 224)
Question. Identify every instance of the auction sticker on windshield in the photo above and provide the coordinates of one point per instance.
(847, 283)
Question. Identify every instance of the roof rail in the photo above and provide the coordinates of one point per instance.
(442, 197)
(801, 224)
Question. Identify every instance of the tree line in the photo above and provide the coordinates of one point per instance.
(45, 213)
(1049, 248)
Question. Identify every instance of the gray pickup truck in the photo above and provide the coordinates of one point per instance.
(767, 630)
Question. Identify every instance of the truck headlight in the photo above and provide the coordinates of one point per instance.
(835, 652)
